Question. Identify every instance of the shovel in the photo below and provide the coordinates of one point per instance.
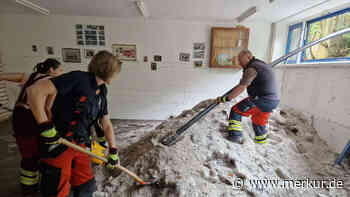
(81, 149)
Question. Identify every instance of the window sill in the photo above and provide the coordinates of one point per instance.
(316, 65)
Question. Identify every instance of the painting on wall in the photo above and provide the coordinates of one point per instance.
(184, 57)
(71, 55)
(157, 58)
(226, 43)
(198, 63)
(93, 35)
(50, 50)
(89, 53)
(125, 52)
(34, 48)
(198, 50)
(145, 59)
(153, 66)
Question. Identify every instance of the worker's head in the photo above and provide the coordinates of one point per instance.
(105, 66)
(49, 66)
(244, 57)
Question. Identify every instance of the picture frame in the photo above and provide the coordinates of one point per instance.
(125, 52)
(71, 55)
(198, 50)
(153, 66)
(89, 53)
(157, 58)
(184, 57)
(198, 63)
(49, 50)
(226, 43)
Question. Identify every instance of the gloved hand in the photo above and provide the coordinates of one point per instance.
(113, 158)
(48, 133)
(102, 141)
(222, 99)
(49, 145)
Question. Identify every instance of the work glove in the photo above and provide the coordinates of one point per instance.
(49, 145)
(112, 158)
(222, 99)
(48, 133)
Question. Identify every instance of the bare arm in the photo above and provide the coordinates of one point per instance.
(49, 102)
(248, 76)
(14, 77)
(108, 130)
(37, 94)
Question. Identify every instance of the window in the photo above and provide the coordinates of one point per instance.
(334, 49)
(294, 36)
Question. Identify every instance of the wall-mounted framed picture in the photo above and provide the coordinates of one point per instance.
(71, 55)
(198, 63)
(226, 43)
(198, 50)
(184, 57)
(153, 66)
(157, 58)
(125, 52)
(50, 51)
(89, 53)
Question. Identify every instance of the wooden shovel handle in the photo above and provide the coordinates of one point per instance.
(81, 149)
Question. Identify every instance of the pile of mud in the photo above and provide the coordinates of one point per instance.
(205, 163)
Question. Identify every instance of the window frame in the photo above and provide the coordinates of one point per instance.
(308, 24)
(289, 39)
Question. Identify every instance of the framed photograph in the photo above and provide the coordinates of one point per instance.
(125, 52)
(153, 66)
(34, 48)
(157, 58)
(226, 43)
(184, 57)
(71, 55)
(145, 59)
(89, 53)
(198, 63)
(198, 50)
(50, 51)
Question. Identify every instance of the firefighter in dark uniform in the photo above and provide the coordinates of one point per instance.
(260, 82)
(74, 111)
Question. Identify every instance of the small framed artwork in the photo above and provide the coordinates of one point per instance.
(145, 59)
(49, 50)
(198, 63)
(34, 48)
(198, 50)
(157, 58)
(184, 57)
(126, 52)
(89, 53)
(153, 66)
(71, 55)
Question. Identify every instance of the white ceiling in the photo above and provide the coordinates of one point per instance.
(202, 10)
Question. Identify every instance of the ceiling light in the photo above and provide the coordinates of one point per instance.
(246, 14)
(33, 6)
(142, 8)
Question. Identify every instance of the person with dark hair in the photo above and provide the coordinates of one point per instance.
(74, 111)
(260, 82)
(24, 125)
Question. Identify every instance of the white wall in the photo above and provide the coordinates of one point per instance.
(138, 93)
(320, 90)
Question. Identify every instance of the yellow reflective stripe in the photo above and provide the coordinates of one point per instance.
(235, 121)
(261, 137)
(29, 173)
(235, 126)
(235, 129)
(49, 133)
(29, 181)
(260, 142)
